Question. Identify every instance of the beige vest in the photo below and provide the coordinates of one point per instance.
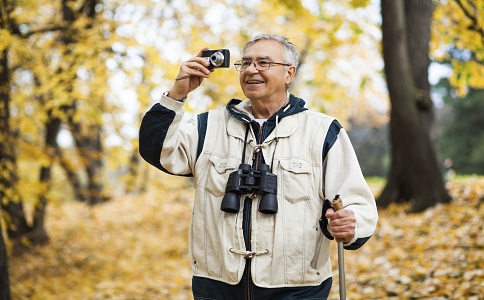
(290, 249)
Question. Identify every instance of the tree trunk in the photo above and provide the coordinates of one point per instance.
(8, 176)
(88, 140)
(145, 176)
(9, 195)
(7, 163)
(39, 234)
(52, 126)
(89, 146)
(133, 172)
(71, 173)
(414, 175)
(4, 280)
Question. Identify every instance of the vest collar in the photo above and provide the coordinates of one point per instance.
(241, 111)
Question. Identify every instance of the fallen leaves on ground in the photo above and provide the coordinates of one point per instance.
(136, 247)
(436, 254)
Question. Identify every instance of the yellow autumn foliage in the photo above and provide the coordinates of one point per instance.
(135, 247)
(458, 35)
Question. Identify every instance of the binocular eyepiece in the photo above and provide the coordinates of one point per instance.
(246, 180)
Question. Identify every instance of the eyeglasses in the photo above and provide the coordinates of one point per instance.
(260, 65)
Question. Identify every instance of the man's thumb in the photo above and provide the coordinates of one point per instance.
(329, 213)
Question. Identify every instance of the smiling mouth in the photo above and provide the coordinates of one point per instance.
(254, 82)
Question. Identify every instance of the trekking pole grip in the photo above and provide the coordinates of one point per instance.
(337, 204)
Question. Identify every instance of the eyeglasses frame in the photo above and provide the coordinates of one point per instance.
(238, 64)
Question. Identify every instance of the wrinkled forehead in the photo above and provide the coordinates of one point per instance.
(263, 57)
(264, 49)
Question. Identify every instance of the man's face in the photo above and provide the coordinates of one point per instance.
(266, 85)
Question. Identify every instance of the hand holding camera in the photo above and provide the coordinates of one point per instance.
(217, 58)
(193, 71)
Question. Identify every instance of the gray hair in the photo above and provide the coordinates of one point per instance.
(289, 48)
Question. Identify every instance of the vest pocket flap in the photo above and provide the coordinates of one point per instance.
(222, 164)
(295, 165)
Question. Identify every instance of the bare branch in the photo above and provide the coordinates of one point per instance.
(43, 30)
(475, 26)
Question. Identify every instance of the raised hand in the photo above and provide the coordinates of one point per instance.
(191, 74)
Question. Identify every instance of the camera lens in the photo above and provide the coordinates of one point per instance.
(217, 59)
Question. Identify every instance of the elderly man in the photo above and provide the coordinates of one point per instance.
(263, 168)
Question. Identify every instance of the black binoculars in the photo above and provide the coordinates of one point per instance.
(245, 181)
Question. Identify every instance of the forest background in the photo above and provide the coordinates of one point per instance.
(84, 217)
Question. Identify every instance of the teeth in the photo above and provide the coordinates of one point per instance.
(253, 82)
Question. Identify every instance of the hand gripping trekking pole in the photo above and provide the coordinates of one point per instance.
(337, 205)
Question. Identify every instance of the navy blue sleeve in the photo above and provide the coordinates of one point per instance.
(330, 139)
(152, 134)
(202, 120)
(357, 244)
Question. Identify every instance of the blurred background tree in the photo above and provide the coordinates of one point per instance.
(4, 278)
(54, 76)
(414, 173)
(461, 135)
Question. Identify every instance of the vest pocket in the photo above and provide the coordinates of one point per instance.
(296, 180)
(217, 173)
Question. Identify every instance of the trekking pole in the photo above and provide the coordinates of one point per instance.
(337, 204)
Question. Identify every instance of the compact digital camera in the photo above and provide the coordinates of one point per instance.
(245, 181)
(218, 58)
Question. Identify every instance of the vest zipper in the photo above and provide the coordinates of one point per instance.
(256, 157)
(249, 280)
(247, 234)
(247, 217)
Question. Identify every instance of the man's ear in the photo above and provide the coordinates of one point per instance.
(291, 72)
